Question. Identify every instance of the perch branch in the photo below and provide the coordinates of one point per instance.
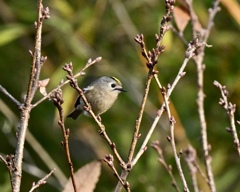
(68, 68)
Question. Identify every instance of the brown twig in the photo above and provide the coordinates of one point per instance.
(171, 139)
(167, 167)
(198, 59)
(5, 92)
(136, 134)
(190, 158)
(41, 182)
(9, 162)
(230, 109)
(151, 60)
(139, 119)
(179, 34)
(58, 101)
(190, 52)
(109, 160)
(25, 108)
(164, 27)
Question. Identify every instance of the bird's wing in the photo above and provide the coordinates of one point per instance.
(87, 88)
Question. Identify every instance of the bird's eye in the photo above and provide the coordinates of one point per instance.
(113, 85)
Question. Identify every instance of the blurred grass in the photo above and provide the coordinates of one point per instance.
(79, 30)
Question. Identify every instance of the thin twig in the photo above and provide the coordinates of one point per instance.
(200, 98)
(190, 158)
(58, 101)
(80, 73)
(136, 135)
(109, 160)
(139, 119)
(9, 164)
(15, 101)
(41, 182)
(3, 160)
(152, 59)
(230, 109)
(172, 141)
(189, 54)
(167, 167)
(179, 34)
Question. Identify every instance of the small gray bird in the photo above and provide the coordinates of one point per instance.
(101, 94)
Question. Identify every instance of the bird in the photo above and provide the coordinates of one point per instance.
(101, 94)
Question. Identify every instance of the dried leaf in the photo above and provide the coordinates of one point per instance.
(181, 17)
(43, 91)
(86, 178)
(42, 86)
(44, 82)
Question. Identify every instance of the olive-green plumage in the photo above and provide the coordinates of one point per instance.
(101, 94)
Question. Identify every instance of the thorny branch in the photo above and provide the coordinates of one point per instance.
(230, 109)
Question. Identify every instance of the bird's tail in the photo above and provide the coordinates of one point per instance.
(74, 114)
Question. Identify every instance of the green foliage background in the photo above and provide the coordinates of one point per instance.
(79, 30)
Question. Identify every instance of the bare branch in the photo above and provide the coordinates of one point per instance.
(190, 53)
(69, 68)
(200, 98)
(58, 101)
(80, 73)
(26, 107)
(109, 160)
(41, 182)
(172, 123)
(230, 109)
(15, 101)
(167, 167)
(9, 164)
(190, 158)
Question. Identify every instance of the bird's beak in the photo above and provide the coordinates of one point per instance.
(120, 89)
